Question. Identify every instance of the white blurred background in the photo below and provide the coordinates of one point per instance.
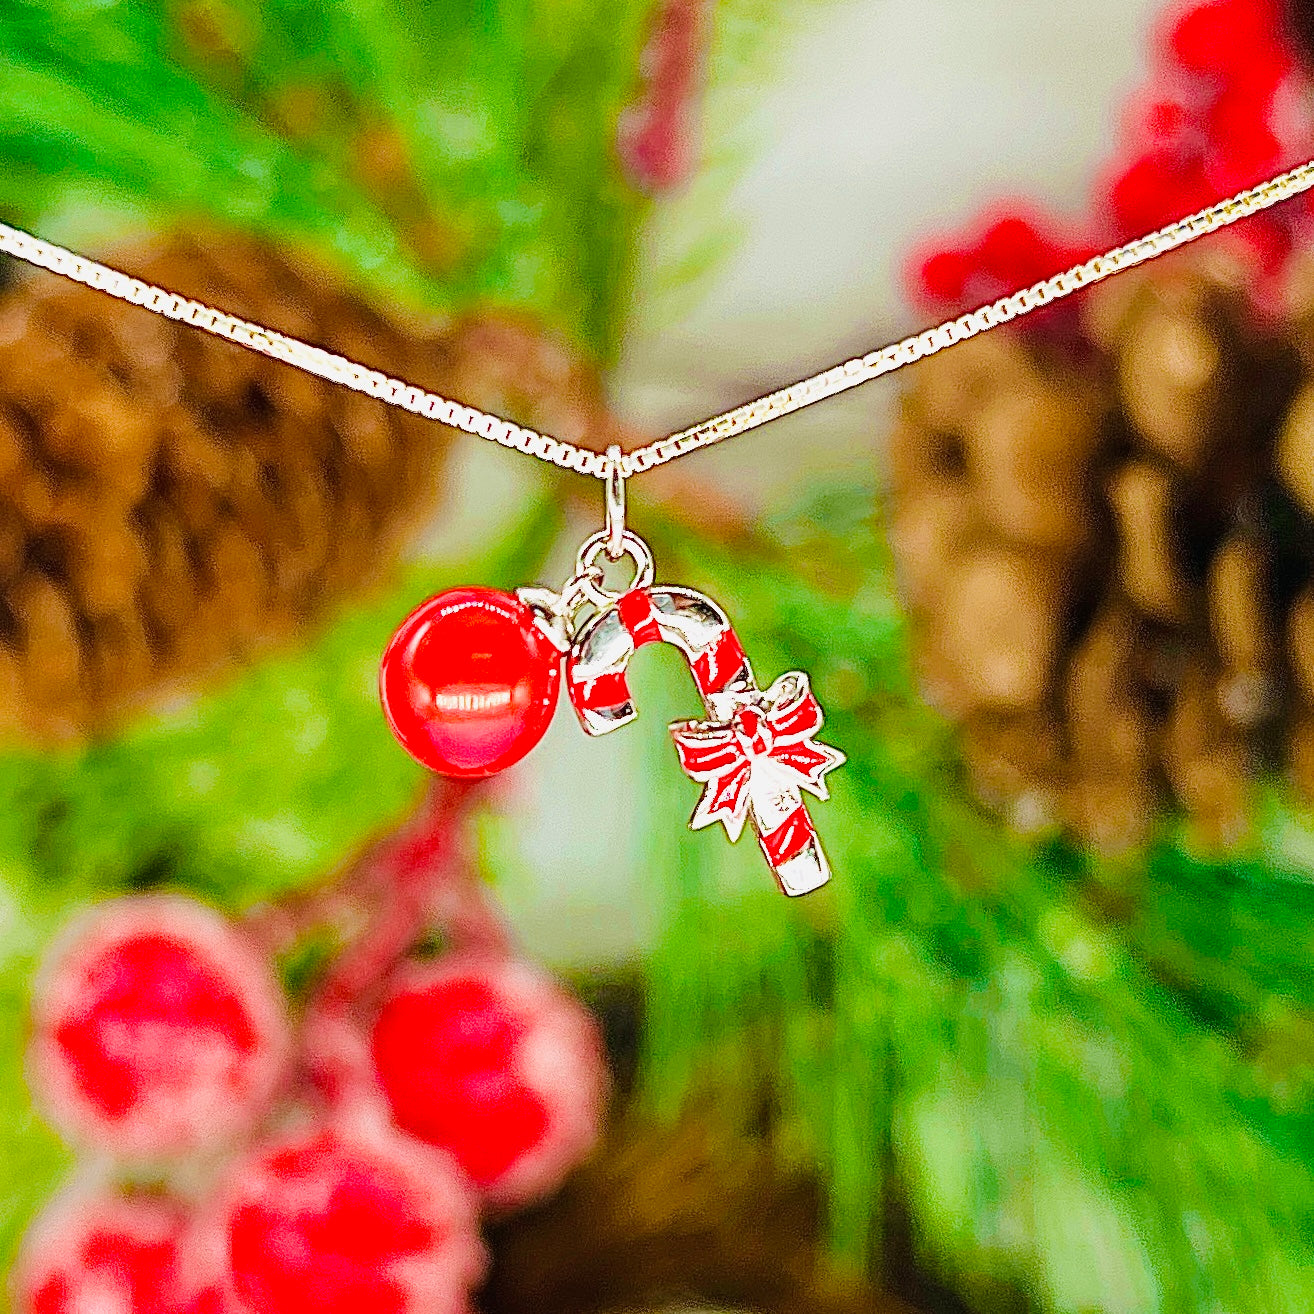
(888, 121)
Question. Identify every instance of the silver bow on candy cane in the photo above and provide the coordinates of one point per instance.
(753, 760)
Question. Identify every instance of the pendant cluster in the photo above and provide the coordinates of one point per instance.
(469, 682)
(471, 679)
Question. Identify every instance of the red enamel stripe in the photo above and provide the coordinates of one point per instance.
(716, 667)
(603, 691)
(790, 838)
(637, 615)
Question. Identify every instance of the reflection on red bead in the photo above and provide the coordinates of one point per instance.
(469, 682)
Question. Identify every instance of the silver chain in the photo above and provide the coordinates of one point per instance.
(751, 415)
(292, 351)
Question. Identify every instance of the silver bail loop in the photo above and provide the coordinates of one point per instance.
(615, 482)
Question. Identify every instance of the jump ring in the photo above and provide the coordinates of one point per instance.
(586, 566)
(576, 590)
(615, 505)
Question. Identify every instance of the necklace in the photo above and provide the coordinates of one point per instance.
(472, 677)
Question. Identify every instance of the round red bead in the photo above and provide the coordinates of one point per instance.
(469, 682)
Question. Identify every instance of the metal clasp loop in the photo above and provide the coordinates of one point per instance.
(615, 483)
(588, 574)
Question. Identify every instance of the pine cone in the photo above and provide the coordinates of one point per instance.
(1109, 560)
(169, 501)
(1298, 16)
(691, 1216)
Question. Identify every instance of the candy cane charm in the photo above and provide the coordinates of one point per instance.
(753, 755)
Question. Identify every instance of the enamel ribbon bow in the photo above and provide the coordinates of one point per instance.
(755, 759)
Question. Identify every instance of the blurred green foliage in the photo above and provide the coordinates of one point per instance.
(1088, 1085)
(440, 153)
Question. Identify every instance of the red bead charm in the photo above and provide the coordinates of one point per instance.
(469, 682)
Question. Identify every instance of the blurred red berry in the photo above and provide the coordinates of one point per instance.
(1155, 189)
(337, 1220)
(941, 277)
(492, 1061)
(655, 146)
(99, 1251)
(1260, 81)
(1162, 121)
(1221, 39)
(1015, 250)
(156, 1030)
(1221, 119)
(1266, 245)
(1242, 159)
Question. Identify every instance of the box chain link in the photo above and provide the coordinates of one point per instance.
(741, 419)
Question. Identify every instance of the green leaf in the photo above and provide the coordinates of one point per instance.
(443, 155)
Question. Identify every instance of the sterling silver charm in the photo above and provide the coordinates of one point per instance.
(755, 753)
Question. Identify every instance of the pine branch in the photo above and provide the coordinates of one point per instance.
(1064, 1093)
(442, 155)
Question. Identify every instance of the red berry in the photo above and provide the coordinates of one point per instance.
(1157, 188)
(1015, 251)
(655, 135)
(1011, 250)
(941, 277)
(493, 1062)
(335, 1220)
(469, 682)
(122, 1253)
(1244, 148)
(1248, 158)
(1267, 246)
(1160, 119)
(156, 1029)
(1220, 39)
(1262, 79)
(656, 146)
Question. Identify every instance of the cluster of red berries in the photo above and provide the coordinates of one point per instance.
(241, 1161)
(1228, 106)
(1013, 248)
